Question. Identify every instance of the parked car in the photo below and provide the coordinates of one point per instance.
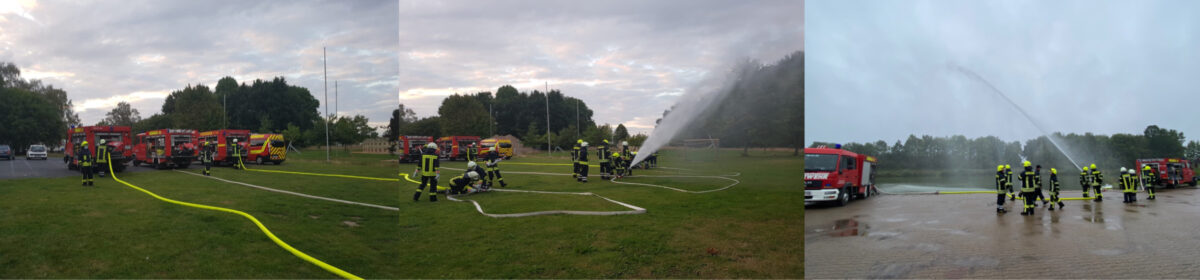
(6, 152)
(36, 152)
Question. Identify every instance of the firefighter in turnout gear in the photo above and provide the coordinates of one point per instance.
(1148, 181)
(1028, 180)
(653, 159)
(472, 166)
(1097, 179)
(493, 168)
(1037, 191)
(1001, 188)
(618, 164)
(464, 183)
(237, 153)
(1009, 181)
(575, 159)
(428, 167)
(583, 162)
(1054, 189)
(101, 157)
(1085, 181)
(605, 161)
(626, 159)
(85, 164)
(206, 157)
(1128, 185)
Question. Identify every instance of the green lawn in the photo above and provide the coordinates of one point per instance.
(52, 228)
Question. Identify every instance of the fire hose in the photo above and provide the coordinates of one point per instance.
(261, 227)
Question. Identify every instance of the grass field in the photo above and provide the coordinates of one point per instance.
(52, 228)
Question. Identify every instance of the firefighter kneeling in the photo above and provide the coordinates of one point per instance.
(463, 184)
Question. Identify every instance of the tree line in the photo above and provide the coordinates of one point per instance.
(958, 152)
(32, 112)
(262, 106)
(511, 112)
(764, 107)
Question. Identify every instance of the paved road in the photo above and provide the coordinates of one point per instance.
(49, 168)
(961, 236)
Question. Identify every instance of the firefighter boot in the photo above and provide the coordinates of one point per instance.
(417, 196)
(433, 198)
(1061, 205)
(503, 184)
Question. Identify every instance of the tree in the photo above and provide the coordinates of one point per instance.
(28, 119)
(638, 139)
(401, 117)
(351, 130)
(429, 126)
(1193, 151)
(620, 134)
(123, 114)
(193, 107)
(463, 115)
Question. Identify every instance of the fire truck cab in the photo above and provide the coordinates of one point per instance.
(837, 175)
(267, 148)
(224, 139)
(503, 146)
(409, 147)
(116, 137)
(455, 147)
(165, 148)
(1169, 172)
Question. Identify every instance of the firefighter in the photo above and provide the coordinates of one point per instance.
(1148, 181)
(653, 159)
(206, 157)
(1009, 181)
(101, 158)
(1054, 189)
(619, 164)
(603, 156)
(463, 184)
(493, 168)
(1001, 188)
(428, 167)
(85, 163)
(575, 159)
(1129, 184)
(1085, 179)
(583, 162)
(237, 154)
(626, 158)
(1037, 191)
(472, 152)
(1028, 180)
(1097, 179)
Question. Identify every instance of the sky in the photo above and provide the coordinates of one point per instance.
(882, 70)
(628, 60)
(138, 51)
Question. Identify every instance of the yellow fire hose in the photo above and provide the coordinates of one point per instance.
(262, 227)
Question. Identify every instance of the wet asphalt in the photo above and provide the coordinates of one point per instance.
(50, 168)
(962, 236)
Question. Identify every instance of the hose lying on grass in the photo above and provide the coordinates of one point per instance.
(261, 227)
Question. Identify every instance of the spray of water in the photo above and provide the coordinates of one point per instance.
(976, 77)
(689, 107)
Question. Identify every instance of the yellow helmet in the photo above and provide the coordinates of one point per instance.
(1053, 171)
(1000, 168)
(1085, 168)
(1145, 167)
(1007, 166)
(616, 154)
(580, 141)
(1026, 163)
(1093, 166)
(84, 143)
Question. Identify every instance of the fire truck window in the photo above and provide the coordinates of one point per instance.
(257, 143)
(505, 145)
(849, 162)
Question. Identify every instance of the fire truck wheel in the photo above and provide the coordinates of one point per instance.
(260, 161)
(843, 197)
(137, 163)
(1193, 183)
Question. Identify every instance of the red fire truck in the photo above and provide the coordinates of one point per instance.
(450, 146)
(165, 148)
(834, 174)
(266, 148)
(410, 146)
(116, 137)
(224, 139)
(1170, 172)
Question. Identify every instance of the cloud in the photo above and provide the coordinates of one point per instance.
(629, 60)
(1106, 67)
(102, 52)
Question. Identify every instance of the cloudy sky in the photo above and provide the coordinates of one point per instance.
(629, 60)
(103, 52)
(881, 70)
